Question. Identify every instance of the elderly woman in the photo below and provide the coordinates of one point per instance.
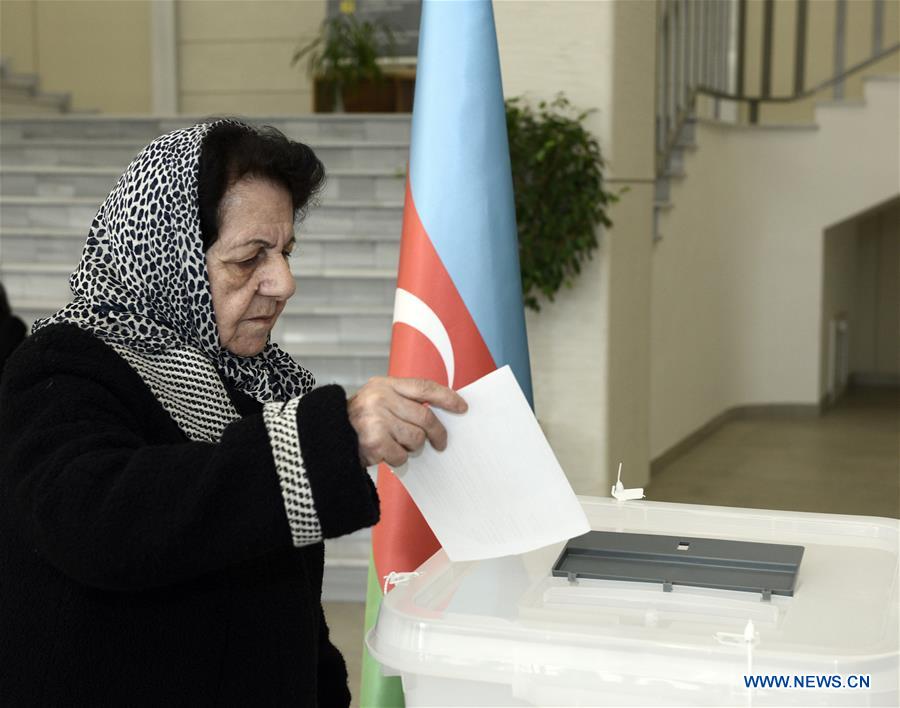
(168, 475)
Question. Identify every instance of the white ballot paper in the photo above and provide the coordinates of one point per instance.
(497, 489)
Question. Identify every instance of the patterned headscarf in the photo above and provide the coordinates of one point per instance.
(142, 285)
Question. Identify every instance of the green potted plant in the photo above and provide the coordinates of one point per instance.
(343, 62)
(561, 199)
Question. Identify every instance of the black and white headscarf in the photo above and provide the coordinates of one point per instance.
(142, 287)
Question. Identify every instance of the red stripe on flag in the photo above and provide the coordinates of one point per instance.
(422, 273)
(402, 540)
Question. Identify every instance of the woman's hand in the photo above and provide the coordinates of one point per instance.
(391, 419)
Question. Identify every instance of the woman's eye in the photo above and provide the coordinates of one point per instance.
(249, 262)
(287, 254)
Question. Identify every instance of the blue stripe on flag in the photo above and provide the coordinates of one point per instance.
(460, 172)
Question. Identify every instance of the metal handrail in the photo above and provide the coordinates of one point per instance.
(806, 93)
(702, 51)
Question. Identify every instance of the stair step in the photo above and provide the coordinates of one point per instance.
(344, 583)
(373, 184)
(56, 170)
(315, 286)
(310, 252)
(143, 129)
(25, 91)
(856, 103)
(19, 96)
(137, 146)
(359, 217)
(361, 273)
(79, 233)
(328, 350)
(322, 310)
(22, 82)
(63, 246)
(347, 359)
(662, 189)
(347, 565)
(350, 368)
(119, 152)
(687, 134)
(335, 325)
(15, 105)
(77, 170)
(370, 332)
(25, 108)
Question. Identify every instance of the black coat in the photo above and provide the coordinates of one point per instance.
(140, 568)
(12, 332)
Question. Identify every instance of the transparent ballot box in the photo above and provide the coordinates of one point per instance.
(507, 632)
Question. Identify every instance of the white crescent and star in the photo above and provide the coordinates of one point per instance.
(413, 312)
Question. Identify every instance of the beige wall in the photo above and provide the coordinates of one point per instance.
(631, 156)
(589, 348)
(737, 280)
(98, 51)
(875, 350)
(234, 55)
(17, 34)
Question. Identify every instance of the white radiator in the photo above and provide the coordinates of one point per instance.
(838, 356)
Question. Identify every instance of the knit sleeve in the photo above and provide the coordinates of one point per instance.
(326, 490)
(98, 479)
(281, 425)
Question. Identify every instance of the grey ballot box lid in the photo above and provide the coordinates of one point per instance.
(766, 568)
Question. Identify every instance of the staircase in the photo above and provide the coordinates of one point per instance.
(55, 171)
(20, 95)
(716, 63)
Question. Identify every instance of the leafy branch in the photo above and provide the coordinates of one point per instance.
(557, 169)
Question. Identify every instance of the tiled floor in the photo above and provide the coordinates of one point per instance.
(345, 621)
(844, 462)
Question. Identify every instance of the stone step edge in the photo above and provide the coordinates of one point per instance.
(336, 561)
(190, 119)
(94, 171)
(27, 200)
(290, 310)
(25, 82)
(33, 99)
(137, 145)
(301, 272)
(343, 350)
(80, 234)
(348, 350)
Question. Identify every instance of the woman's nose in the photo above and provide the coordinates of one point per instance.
(276, 279)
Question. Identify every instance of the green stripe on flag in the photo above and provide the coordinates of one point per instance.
(377, 691)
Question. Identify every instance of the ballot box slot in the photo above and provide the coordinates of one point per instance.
(765, 568)
(666, 558)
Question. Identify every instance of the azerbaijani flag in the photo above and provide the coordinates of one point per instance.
(458, 311)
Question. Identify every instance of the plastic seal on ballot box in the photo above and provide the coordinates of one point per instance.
(619, 491)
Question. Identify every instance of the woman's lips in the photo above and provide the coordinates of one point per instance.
(262, 320)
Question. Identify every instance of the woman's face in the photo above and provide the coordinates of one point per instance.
(249, 273)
